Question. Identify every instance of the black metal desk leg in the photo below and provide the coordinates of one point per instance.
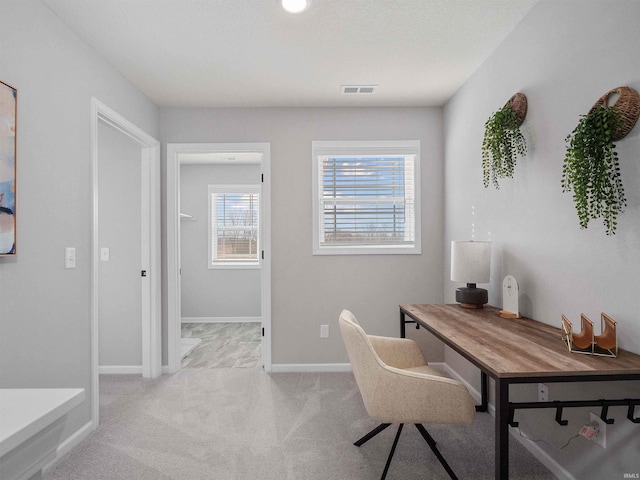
(502, 429)
(484, 388)
(402, 324)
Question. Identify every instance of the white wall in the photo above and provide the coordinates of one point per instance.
(45, 309)
(217, 293)
(120, 289)
(308, 290)
(563, 57)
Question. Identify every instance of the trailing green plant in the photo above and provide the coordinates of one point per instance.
(591, 169)
(502, 144)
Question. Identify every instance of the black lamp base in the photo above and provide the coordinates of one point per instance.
(471, 297)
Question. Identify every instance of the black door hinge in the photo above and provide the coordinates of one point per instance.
(144, 273)
(263, 254)
(263, 331)
(262, 178)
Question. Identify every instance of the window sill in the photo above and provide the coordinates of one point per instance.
(236, 266)
(367, 250)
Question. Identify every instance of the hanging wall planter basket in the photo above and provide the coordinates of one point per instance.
(628, 107)
(518, 104)
(503, 142)
(591, 169)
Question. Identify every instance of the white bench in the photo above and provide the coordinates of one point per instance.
(31, 423)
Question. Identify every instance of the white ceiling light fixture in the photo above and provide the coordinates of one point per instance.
(295, 6)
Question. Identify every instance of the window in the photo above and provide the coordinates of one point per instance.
(233, 226)
(366, 197)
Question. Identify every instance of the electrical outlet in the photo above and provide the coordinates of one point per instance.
(601, 436)
(543, 392)
(324, 331)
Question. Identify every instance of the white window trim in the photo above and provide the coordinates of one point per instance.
(356, 148)
(232, 265)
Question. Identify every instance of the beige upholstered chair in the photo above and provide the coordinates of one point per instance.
(398, 386)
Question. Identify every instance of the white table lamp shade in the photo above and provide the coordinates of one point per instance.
(470, 261)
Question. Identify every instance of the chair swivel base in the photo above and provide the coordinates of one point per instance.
(423, 431)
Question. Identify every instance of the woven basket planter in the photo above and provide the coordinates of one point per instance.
(519, 106)
(503, 141)
(627, 105)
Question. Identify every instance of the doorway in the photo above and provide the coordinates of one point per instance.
(120, 241)
(147, 156)
(244, 167)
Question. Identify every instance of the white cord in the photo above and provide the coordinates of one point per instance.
(540, 440)
(537, 440)
(569, 441)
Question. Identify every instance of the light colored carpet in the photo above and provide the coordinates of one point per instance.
(243, 424)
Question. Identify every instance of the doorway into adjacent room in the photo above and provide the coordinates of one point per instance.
(125, 247)
(218, 255)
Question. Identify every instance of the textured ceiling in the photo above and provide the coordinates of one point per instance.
(248, 53)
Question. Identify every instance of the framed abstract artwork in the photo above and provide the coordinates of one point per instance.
(8, 121)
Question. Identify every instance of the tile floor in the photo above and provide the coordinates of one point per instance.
(223, 345)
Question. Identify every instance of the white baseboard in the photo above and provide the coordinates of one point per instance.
(221, 319)
(543, 457)
(120, 370)
(295, 367)
(66, 446)
(310, 367)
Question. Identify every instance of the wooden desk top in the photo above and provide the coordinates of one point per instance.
(514, 348)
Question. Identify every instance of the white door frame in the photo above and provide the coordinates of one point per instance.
(173, 241)
(151, 262)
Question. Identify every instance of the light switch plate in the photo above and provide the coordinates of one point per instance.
(104, 254)
(70, 257)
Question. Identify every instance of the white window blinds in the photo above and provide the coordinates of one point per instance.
(366, 201)
(234, 225)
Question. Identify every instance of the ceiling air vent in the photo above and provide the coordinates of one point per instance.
(358, 89)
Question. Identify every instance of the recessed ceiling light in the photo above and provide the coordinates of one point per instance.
(295, 6)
